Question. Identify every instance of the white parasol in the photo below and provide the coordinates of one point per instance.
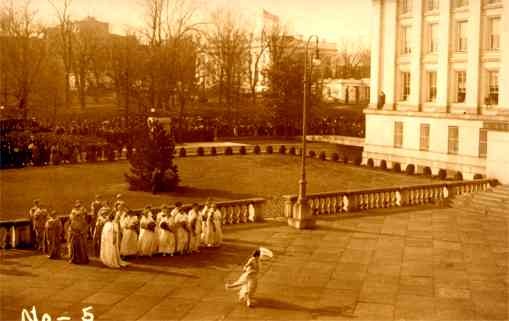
(265, 252)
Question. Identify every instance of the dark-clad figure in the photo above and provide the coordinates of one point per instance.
(78, 230)
(53, 236)
(156, 180)
(381, 100)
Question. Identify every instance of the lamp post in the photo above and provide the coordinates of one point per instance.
(302, 217)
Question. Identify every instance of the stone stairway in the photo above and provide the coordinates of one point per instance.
(493, 202)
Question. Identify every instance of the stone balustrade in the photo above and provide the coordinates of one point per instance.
(333, 203)
(16, 233)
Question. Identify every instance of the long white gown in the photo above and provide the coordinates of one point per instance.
(147, 240)
(209, 228)
(203, 219)
(166, 238)
(248, 280)
(182, 234)
(157, 231)
(129, 243)
(218, 223)
(110, 240)
(195, 224)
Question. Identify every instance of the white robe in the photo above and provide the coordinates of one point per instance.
(210, 228)
(110, 253)
(147, 241)
(195, 224)
(166, 238)
(182, 234)
(218, 223)
(248, 280)
(129, 243)
(157, 231)
(203, 220)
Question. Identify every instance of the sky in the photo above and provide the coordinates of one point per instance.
(332, 20)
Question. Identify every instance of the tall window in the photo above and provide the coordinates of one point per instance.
(460, 3)
(483, 142)
(424, 141)
(461, 86)
(405, 85)
(492, 88)
(461, 36)
(398, 134)
(431, 5)
(432, 86)
(405, 6)
(433, 37)
(453, 140)
(494, 33)
(405, 40)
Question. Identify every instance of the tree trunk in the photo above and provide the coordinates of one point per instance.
(67, 90)
(181, 118)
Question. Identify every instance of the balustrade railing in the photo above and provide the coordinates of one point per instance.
(17, 233)
(333, 203)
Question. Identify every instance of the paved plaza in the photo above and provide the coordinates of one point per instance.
(429, 264)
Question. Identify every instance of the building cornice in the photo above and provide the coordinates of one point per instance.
(500, 116)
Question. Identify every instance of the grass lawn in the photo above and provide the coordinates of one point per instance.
(219, 177)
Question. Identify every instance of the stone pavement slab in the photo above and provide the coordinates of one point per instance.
(438, 264)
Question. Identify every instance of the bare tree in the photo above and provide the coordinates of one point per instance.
(352, 60)
(183, 34)
(228, 45)
(124, 59)
(89, 60)
(23, 52)
(172, 43)
(256, 50)
(65, 34)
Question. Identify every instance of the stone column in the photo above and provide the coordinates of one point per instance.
(259, 211)
(376, 50)
(302, 217)
(299, 217)
(503, 75)
(473, 52)
(415, 76)
(443, 55)
(389, 54)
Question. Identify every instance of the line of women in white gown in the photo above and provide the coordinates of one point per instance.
(174, 232)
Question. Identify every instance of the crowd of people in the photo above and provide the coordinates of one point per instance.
(341, 125)
(42, 143)
(114, 233)
(203, 129)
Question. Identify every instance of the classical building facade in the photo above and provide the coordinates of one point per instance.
(439, 94)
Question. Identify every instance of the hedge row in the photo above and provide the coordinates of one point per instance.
(411, 170)
(283, 150)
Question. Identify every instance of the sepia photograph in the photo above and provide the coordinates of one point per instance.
(231, 160)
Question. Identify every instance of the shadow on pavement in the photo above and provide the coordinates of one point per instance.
(140, 267)
(16, 272)
(227, 254)
(345, 311)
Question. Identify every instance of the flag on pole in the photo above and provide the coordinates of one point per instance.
(269, 16)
